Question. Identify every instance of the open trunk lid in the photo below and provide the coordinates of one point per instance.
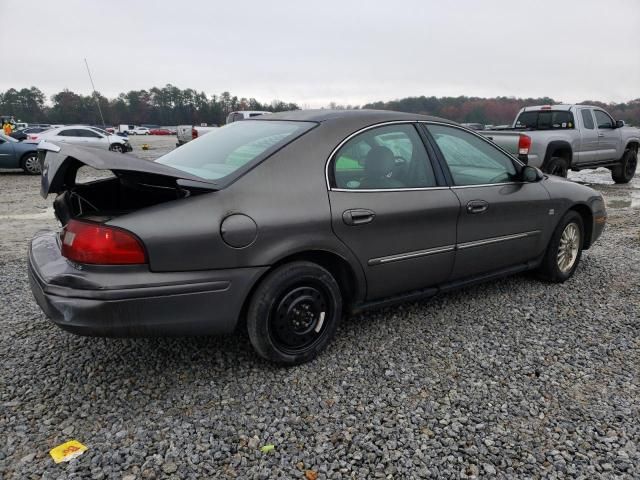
(61, 163)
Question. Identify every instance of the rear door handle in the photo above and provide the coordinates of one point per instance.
(357, 216)
(477, 206)
(600, 135)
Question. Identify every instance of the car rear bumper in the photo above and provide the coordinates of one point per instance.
(129, 301)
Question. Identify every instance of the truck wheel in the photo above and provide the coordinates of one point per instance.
(624, 172)
(564, 250)
(557, 166)
(294, 313)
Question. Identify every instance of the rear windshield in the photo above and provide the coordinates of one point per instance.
(225, 150)
(545, 120)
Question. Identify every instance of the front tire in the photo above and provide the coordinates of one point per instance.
(564, 250)
(30, 164)
(557, 166)
(624, 172)
(116, 147)
(294, 313)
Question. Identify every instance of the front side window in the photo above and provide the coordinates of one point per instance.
(587, 119)
(225, 150)
(387, 157)
(472, 160)
(603, 120)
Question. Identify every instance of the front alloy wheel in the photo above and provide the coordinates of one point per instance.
(569, 247)
(564, 249)
(116, 147)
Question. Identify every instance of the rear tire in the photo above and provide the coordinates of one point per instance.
(564, 250)
(557, 166)
(624, 172)
(294, 313)
(30, 164)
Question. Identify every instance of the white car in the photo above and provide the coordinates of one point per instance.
(82, 135)
(139, 131)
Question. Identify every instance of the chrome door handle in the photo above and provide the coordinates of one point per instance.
(601, 135)
(477, 206)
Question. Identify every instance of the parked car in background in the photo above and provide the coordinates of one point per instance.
(292, 220)
(559, 138)
(24, 133)
(83, 135)
(186, 133)
(160, 131)
(16, 154)
(139, 131)
(244, 114)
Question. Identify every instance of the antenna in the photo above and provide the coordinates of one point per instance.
(95, 95)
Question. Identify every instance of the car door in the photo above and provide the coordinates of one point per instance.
(588, 139)
(68, 135)
(608, 136)
(393, 209)
(91, 138)
(502, 220)
(7, 154)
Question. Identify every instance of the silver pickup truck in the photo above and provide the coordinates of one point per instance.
(559, 138)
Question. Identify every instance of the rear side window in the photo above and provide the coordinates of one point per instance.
(472, 160)
(225, 150)
(604, 120)
(587, 119)
(386, 157)
(545, 120)
(67, 133)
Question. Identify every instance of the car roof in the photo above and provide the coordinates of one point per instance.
(363, 115)
(562, 107)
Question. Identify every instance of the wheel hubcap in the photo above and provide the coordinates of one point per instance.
(298, 318)
(31, 164)
(569, 246)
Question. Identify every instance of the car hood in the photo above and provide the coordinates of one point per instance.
(60, 164)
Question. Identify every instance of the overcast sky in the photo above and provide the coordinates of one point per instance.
(312, 53)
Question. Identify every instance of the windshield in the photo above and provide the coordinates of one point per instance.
(545, 120)
(99, 130)
(224, 150)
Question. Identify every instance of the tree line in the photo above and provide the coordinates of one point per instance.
(494, 111)
(168, 105)
(171, 105)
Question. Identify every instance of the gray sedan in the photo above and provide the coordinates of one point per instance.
(15, 154)
(282, 225)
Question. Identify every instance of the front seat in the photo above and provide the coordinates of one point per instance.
(378, 166)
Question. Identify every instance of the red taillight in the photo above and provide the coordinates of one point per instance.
(32, 137)
(93, 243)
(524, 144)
(194, 134)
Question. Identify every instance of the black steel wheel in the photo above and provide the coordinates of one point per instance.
(294, 313)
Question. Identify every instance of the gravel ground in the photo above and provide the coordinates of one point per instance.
(514, 378)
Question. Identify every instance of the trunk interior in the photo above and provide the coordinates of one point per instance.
(101, 200)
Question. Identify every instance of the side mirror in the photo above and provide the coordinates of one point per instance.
(619, 123)
(531, 174)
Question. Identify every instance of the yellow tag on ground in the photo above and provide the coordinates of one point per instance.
(67, 451)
